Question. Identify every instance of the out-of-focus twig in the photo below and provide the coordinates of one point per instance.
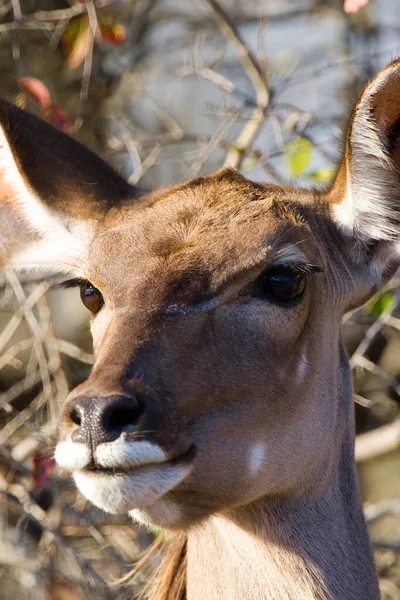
(256, 74)
(38, 334)
(373, 330)
(377, 442)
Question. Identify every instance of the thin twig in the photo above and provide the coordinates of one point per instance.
(36, 331)
(374, 329)
(71, 350)
(17, 22)
(63, 14)
(255, 74)
(377, 442)
(18, 315)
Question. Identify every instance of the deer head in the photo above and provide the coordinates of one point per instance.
(220, 375)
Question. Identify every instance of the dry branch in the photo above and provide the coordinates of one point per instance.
(258, 78)
(380, 441)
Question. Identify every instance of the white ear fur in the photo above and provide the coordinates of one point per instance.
(370, 205)
(54, 242)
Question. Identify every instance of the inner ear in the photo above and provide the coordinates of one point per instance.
(385, 111)
(366, 194)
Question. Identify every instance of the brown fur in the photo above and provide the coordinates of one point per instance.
(170, 583)
(252, 400)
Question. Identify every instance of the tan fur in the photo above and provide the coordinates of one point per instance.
(252, 399)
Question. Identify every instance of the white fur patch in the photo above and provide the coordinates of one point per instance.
(302, 368)
(50, 255)
(166, 513)
(257, 456)
(72, 455)
(141, 517)
(122, 493)
(124, 454)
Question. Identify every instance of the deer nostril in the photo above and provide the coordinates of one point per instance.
(123, 415)
(75, 416)
(122, 418)
(101, 419)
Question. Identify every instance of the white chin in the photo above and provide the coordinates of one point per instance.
(161, 514)
(123, 492)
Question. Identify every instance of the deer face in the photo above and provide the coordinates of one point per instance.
(203, 349)
(220, 376)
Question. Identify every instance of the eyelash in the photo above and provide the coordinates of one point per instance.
(73, 283)
(298, 267)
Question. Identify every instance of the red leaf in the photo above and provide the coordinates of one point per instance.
(60, 119)
(115, 34)
(62, 590)
(43, 464)
(352, 6)
(36, 89)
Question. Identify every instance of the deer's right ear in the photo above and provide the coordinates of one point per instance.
(365, 198)
(52, 192)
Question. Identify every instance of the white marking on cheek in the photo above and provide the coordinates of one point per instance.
(123, 453)
(257, 455)
(71, 455)
(302, 368)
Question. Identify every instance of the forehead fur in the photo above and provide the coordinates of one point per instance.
(210, 223)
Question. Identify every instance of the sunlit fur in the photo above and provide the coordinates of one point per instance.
(122, 492)
(71, 455)
(123, 454)
(368, 208)
(55, 242)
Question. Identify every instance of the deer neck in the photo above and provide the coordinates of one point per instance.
(312, 548)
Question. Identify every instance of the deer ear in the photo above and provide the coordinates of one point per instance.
(365, 198)
(52, 192)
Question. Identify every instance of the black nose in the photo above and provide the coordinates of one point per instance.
(102, 419)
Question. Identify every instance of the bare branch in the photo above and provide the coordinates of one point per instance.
(257, 78)
(377, 442)
(71, 350)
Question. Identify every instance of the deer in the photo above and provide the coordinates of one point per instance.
(220, 404)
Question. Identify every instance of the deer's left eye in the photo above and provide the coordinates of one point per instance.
(91, 297)
(282, 285)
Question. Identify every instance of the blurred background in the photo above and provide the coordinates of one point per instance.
(165, 90)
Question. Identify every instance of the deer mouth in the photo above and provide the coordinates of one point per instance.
(120, 456)
(180, 459)
(123, 475)
(119, 492)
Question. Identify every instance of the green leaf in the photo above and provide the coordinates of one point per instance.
(248, 163)
(158, 532)
(298, 156)
(376, 307)
(322, 175)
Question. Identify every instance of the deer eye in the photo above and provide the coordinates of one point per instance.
(282, 285)
(91, 297)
